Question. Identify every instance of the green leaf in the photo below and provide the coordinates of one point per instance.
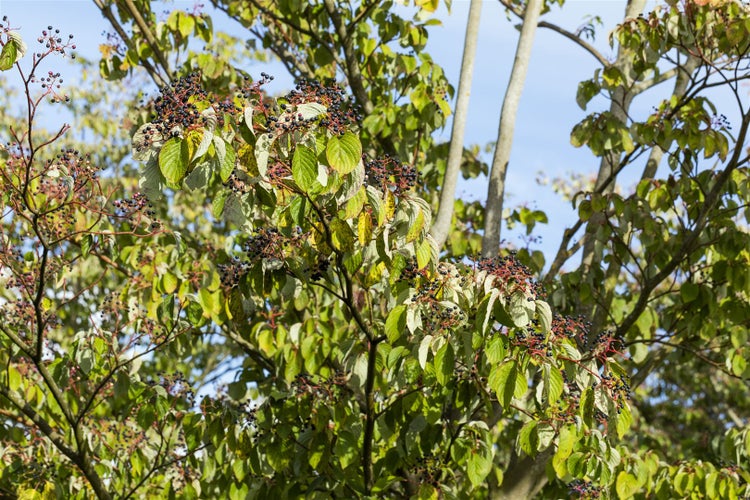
(689, 291)
(624, 420)
(586, 91)
(739, 364)
(528, 440)
(217, 205)
(169, 282)
(544, 314)
(479, 466)
(304, 168)
(484, 316)
(587, 406)
(627, 485)
(415, 227)
(342, 235)
(227, 166)
(508, 382)
(424, 253)
(495, 350)
(310, 110)
(445, 364)
(9, 55)
(364, 228)
(344, 153)
(553, 383)
(86, 243)
(262, 152)
(173, 160)
(395, 323)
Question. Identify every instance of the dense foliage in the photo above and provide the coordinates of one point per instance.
(258, 308)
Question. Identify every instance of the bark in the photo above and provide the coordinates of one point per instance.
(606, 179)
(684, 73)
(496, 190)
(524, 477)
(442, 225)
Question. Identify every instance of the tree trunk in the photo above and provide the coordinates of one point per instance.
(442, 226)
(496, 190)
(620, 105)
(524, 477)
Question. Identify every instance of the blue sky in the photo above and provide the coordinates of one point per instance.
(547, 112)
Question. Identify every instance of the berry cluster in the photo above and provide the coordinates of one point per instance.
(69, 172)
(436, 315)
(388, 174)
(52, 41)
(278, 171)
(341, 110)
(135, 208)
(320, 267)
(428, 470)
(584, 489)
(232, 273)
(720, 122)
(604, 345)
(20, 314)
(289, 122)
(176, 386)
(253, 90)
(512, 276)
(411, 272)
(329, 389)
(237, 185)
(268, 243)
(534, 340)
(572, 328)
(618, 387)
(175, 110)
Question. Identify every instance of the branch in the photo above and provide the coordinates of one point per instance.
(352, 70)
(251, 352)
(153, 44)
(567, 34)
(107, 13)
(57, 440)
(576, 39)
(442, 225)
(496, 190)
(689, 243)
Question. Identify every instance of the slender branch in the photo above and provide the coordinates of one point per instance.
(562, 31)
(690, 241)
(372, 354)
(78, 458)
(352, 69)
(38, 313)
(150, 39)
(576, 39)
(109, 16)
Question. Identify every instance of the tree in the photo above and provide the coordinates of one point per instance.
(278, 248)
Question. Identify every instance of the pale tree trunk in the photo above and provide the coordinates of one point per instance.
(684, 73)
(442, 226)
(496, 190)
(619, 107)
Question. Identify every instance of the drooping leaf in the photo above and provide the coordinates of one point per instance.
(344, 153)
(173, 160)
(305, 168)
